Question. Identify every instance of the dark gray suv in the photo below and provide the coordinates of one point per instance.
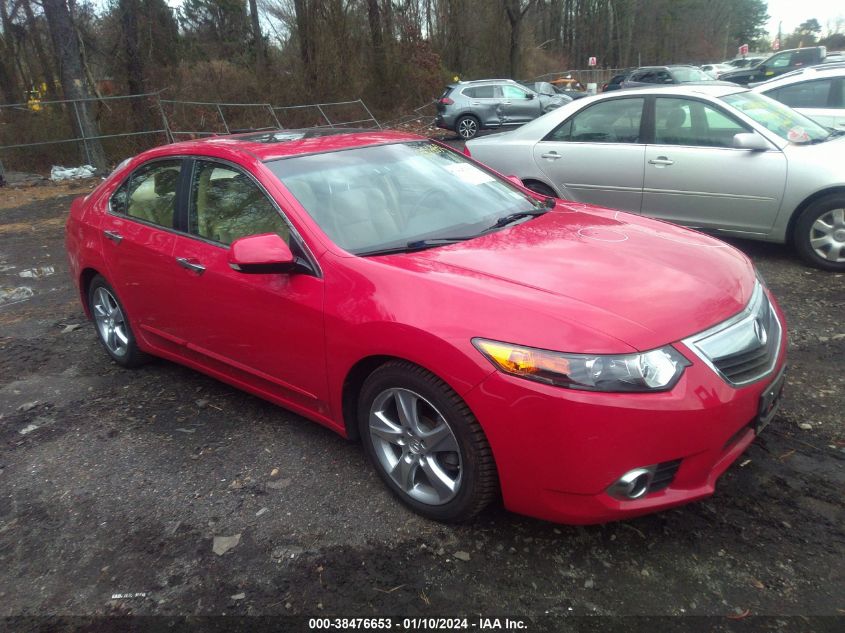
(469, 106)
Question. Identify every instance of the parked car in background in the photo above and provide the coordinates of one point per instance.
(777, 64)
(718, 158)
(666, 75)
(817, 92)
(715, 69)
(483, 342)
(615, 82)
(568, 83)
(469, 106)
(546, 89)
(744, 62)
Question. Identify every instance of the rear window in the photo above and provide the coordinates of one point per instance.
(446, 92)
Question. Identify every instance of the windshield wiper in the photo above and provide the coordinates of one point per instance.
(513, 217)
(416, 245)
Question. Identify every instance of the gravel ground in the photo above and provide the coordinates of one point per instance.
(119, 483)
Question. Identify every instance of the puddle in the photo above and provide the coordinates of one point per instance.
(15, 295)
(39, 272)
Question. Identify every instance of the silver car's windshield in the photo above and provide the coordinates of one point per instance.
(777, 118)
(386, 196)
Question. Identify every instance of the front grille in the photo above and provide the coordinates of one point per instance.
(664, 474)
(744, 348)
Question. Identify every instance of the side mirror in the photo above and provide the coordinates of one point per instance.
(515, 180)
(529, 95)
(267, 253)
(751, 141)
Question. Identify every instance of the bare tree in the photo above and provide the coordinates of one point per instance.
(260, 53)
(515, 11)
(72, 74)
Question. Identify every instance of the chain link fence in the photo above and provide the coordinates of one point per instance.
(38, 134)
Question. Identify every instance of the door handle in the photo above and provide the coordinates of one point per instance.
(551, 155)
(661, 160)
(186, 263)
(113, 236)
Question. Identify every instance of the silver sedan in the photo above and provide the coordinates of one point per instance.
(717, 158)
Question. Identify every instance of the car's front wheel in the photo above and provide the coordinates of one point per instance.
(820, 233)
(425, 443)
(467, 127)
(112, 323)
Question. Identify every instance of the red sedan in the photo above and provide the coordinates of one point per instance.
(481, 340)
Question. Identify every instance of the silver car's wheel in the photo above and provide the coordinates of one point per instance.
(415, 446)
(111, 323)
(425, 443)
(827, 236)
(819, 233)
(467, 127)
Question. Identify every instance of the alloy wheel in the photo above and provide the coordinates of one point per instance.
(111, 323)
(827, 236)
(415, 446)
(467, 128)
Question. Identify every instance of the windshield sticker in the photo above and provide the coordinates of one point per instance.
(797, 134)
(469, 174)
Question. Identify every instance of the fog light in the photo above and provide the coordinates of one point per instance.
(633, 484)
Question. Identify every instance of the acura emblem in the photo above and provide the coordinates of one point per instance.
(760, 332)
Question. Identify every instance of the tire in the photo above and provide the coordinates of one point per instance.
(819, 233)
(539, 187)
(467, 127)
(112, 324)
(445, 485)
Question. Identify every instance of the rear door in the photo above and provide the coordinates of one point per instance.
(486, 103)
(596, 155)
(138, 234)
(265, 330)
(694, 175)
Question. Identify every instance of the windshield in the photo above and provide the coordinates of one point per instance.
(380, 197)
(684, 75)
(777, 118)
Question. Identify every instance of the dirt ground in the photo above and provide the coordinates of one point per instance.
(115, 483)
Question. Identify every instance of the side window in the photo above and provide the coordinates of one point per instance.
(512, 92)
(648, 77)
(693, 123)
(780, 61)
(663, 77)
(226, 205)
(485, 92)
(807, 94)
(150, 193)
(472, 93)
(614, 121)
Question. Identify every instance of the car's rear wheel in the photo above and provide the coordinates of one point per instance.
(820, 233)
(539, 187)
(425, 443)
(467, 127)
(112, 324)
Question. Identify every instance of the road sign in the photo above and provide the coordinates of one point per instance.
(743, 50)
(592, 61)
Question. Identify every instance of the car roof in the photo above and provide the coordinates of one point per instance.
(283, 143)
(832, 69)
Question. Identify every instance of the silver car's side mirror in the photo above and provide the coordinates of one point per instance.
(749, 140)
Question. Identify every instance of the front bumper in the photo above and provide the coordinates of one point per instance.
(558, 450)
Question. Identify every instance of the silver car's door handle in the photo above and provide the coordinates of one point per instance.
(661, 160)
(186, 263)
(475, 103)
(114, 237)
(551, 155)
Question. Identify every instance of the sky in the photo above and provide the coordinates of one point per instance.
(794, 12)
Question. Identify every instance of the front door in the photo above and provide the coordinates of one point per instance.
(263, 330)
(521, 106)
(694, 175)
(596, 155)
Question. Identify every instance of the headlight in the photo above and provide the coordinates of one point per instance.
(657, 370)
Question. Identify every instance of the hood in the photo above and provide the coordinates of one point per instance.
(642, 282)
